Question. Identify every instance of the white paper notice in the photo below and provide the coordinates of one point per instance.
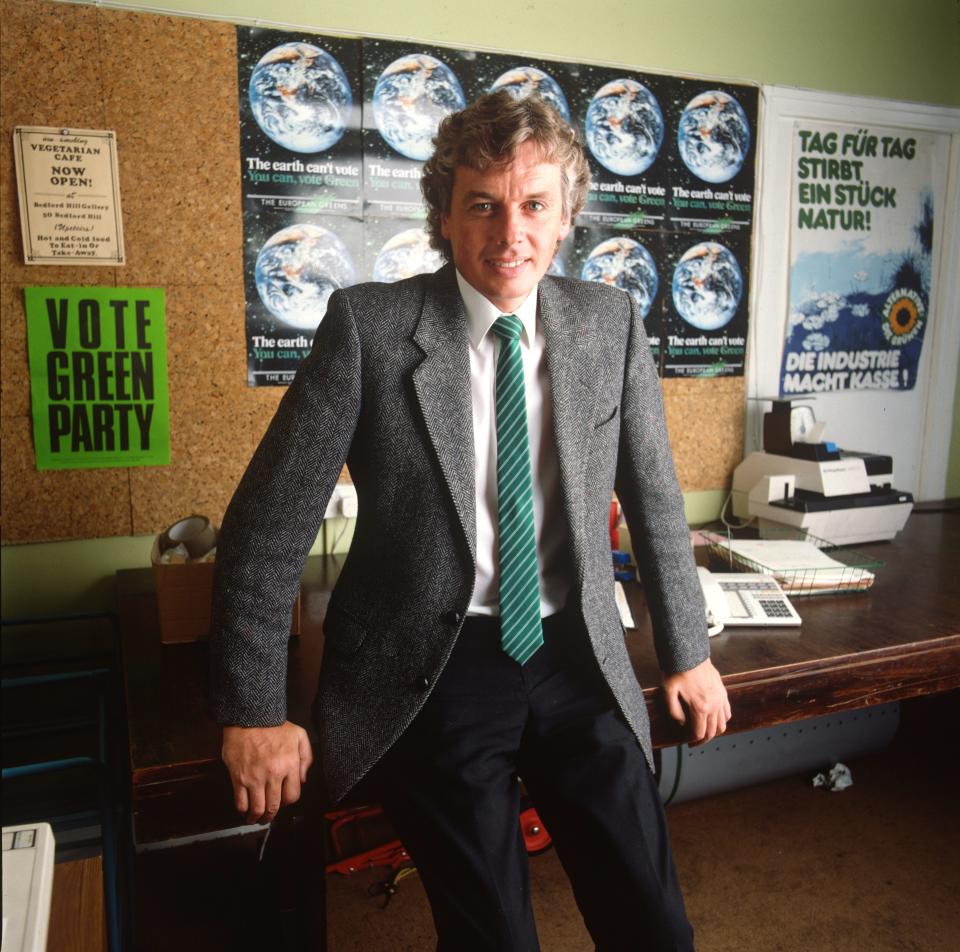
(69, 194)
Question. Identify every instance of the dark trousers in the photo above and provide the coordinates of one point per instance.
(450, 787)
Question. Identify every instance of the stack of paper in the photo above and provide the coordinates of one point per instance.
(801, 568)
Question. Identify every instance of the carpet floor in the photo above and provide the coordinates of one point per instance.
(778, 867)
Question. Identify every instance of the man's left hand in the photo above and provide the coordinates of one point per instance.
(697, 697)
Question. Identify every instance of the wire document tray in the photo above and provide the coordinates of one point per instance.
(803, 564)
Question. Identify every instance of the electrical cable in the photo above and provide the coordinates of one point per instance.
(733, 525)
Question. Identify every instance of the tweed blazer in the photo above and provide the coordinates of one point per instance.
(386, 389)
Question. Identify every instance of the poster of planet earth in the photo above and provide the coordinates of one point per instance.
(524, 76)
(297, 263)
(705, 304)
(300, 158)
(712, 157)
(334, 135)
(621, 118)
(300, 109)
(407, 90)
(626, 260)
(397, 248)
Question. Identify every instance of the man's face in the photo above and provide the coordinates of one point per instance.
(504, 225)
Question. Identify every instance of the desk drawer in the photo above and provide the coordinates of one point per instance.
(182, 801)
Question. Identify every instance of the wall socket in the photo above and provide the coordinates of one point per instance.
(343, 502)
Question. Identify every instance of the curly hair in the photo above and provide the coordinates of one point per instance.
(487, 134)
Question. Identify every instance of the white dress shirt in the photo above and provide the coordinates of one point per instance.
(548, 512)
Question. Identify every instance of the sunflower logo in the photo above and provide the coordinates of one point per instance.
(903, 313)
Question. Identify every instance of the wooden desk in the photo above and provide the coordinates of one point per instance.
(898, 640)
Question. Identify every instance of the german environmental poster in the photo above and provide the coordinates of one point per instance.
(301, 166)
(860, 258)
(69, 190)
(98, 376)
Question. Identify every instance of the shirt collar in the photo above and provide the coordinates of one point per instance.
(481, 313)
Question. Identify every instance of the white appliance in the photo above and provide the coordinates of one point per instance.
(27, 886)
(801, 481)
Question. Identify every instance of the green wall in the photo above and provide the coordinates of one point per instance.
(887, 48)
(895, 49)
(85, 569)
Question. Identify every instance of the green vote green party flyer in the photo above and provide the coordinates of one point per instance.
(98, 376)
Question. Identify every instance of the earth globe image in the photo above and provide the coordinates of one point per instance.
(556, 268)
(406, 254)
(527, 80)
(624, 263)
(624, 127)
(713, 136)
(707, 286)
(298, 268)
(300, 97)
(410, 98)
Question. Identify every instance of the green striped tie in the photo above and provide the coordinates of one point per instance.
(520, 630)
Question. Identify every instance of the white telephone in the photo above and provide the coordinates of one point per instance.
(744, 598)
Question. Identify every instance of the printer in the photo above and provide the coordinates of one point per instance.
(802, 481)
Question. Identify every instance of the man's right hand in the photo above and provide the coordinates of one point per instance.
(267, 767)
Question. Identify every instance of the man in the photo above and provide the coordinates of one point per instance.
(486, 412)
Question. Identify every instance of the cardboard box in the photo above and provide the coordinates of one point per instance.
(184, 599)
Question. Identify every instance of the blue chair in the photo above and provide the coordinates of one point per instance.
(36, 676)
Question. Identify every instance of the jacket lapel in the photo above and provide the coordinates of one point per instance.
(442, 385)
(570, 362)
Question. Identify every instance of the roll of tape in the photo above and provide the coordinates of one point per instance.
(194, 533)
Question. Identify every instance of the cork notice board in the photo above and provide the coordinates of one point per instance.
(169, 91)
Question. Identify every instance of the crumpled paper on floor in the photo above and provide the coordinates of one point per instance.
(836, 779)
